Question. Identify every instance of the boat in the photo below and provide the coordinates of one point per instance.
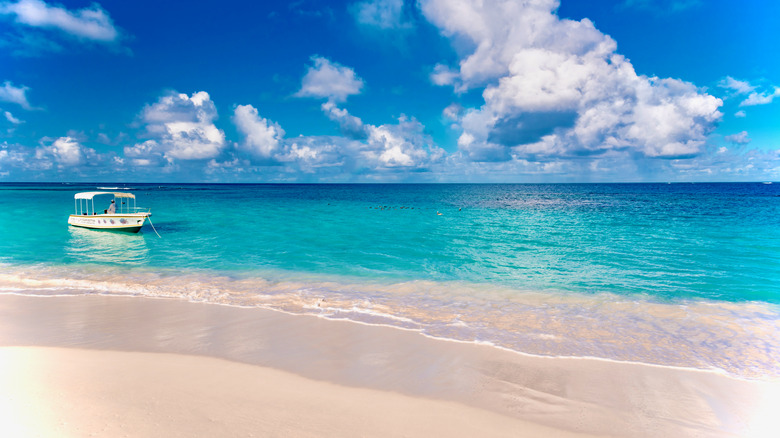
(119, 214)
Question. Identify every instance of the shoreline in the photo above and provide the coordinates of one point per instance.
(488, 344)
(577, 395)
(477, 343)
(702, 335)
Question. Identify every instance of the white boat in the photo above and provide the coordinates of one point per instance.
(121, 217)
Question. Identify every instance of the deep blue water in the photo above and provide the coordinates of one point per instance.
(450, 251)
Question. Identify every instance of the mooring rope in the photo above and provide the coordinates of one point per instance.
(150, 223)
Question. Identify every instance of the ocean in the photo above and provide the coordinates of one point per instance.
(684, 275)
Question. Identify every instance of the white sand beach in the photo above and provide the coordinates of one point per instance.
(126, 366)
(62, 392)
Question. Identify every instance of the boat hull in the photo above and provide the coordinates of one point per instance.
(129, 223)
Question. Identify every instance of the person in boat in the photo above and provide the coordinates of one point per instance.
(111, 208)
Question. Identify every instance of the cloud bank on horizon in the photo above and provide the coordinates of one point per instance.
(555, 101)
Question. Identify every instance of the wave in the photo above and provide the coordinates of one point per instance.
(737, 338)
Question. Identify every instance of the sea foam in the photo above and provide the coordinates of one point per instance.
(738, 338)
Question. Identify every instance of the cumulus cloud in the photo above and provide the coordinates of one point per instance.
(64, 158)
(326, 79)
(556, 87)
(65, 152)
(401, 145)
(349, 125)
(384, 14)
(92, 23)
(181, 127)
(476, 126)
(12, 159)
(388, 151)
(147, 153)
(13, 94)
(390, 147)
(262, 138)
(366, 152)
(739, 138)
(499, 29)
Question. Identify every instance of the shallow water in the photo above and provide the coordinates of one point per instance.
(670, 274)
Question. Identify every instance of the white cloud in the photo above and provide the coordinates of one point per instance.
(739, 164)
(18, 95)
(713, 164)
(443, 75)
(13, 158)
(736, 86)
(10, 117)
(670, 118)
(384, 14)
(308, 153)
(262, 139)
(755, 98)
(91, 23)
(473, 142)
(147, 153)
(739, 138)
(180, 127)
(326, 79)
(556, 87)
(741, 88)
(452, 112)
(388, 146)
(402, 145)
(390, 151)
(350, 125)
(499, 29)
(65, 151)
(740, 114)
(143, 162)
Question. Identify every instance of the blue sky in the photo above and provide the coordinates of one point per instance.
(390, 91)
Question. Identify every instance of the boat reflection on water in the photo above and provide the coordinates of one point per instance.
(106, 247)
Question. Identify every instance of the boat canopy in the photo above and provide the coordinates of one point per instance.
(90, 195)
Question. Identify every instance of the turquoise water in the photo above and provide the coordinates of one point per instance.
(672, 274)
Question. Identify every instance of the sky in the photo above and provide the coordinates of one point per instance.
(390, 91)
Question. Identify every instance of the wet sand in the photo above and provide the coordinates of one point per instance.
(128, 366)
